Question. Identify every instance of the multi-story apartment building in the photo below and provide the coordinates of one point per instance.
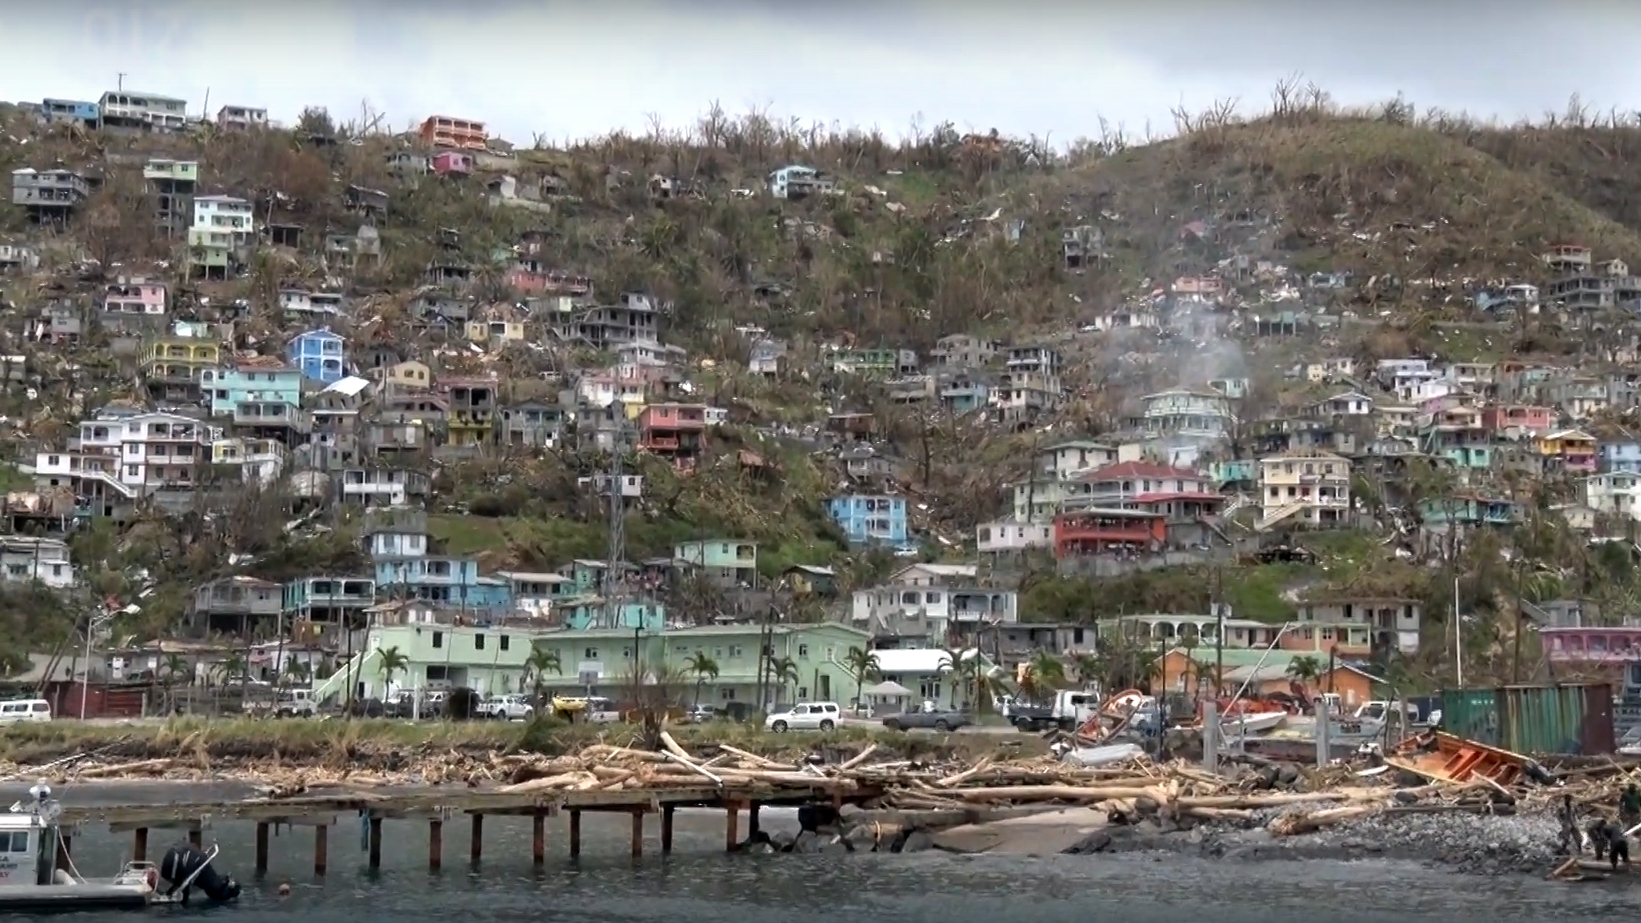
(172, 184)
(241, 117)
(173, 367)
(140, 451)
(49, 196)
(222, 225)
(445, 131)
(1306, 488)
(261, 380)
(134, 110)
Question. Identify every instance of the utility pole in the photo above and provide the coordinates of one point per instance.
(119, 85)
(1218, 609)
(615, 562)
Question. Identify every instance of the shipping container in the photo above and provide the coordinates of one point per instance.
(1472, 714)
(1564, 719)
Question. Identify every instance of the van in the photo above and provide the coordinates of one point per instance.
(295, 703)
(20, 710)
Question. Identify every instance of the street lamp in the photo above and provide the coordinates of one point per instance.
(93, 623)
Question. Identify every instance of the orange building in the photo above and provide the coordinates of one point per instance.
(444, 131)
(1176, 674)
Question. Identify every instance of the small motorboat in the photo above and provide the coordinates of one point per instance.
(37, 874)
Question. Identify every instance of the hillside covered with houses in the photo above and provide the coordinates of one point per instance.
(745, 399)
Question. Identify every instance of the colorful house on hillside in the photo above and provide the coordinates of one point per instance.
(318, 354)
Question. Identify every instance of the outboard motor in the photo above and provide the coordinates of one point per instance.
(185, 868)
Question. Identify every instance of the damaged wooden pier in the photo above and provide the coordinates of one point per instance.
(438, 807)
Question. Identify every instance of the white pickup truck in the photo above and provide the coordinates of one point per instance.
(508, 708)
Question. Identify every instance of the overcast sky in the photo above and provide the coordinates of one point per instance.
(574, 68)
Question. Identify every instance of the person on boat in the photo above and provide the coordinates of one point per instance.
(1569, 827)
(1629, 806)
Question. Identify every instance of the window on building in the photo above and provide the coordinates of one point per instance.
(726, 693)
(734, 651)
(478, 642)
(590, 653)
(438, 639)
(803, 651)
(803, 692)
(504, 642)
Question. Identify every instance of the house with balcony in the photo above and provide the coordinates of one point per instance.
(1192, 417)
(261, 379)
(223, 227)
(453, 163)
(603, 661)
(474, 411)
(1614, 493)
(450, 132)
(1458, 434)
(49, 196)
(318, 354)
(608, 327)
(490, 660)
(1518, 421)
(1343, 404)
(328, 602)
(1570, 450)
(132, 110)
(872, 520)
(1341, 623)
(1593, 645)
(728, 563)
(1030, 384)
(1185, 499)
(875, 363)
(147, 450)
(1467, 512)
(235, 605)
(941, 615)
(261, 462)
(532, 425)
(1101, 532)
(673, 432)
(795, 182)
(537, 593)
(241, 118)
(443, 579)
(1308, 488)
(32, 558)
(172, 184)
(385, 486)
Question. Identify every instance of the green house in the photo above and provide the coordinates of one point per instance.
(600, 661)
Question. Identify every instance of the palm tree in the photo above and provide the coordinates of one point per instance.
(1305, 669)
(541, 662)
(175, 666)
(862, 667)
(703, 668)
(392, 662)
(783, 671)
(1198, 669)
(1043, 675)
(231, 668)
(299, 671)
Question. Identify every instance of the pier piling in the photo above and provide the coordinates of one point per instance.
(637, 832)
(538, 838)
(575, 833)
(261, 845)
(732, 835)
(375, 842)
(139, 845)
(321, 848)
(435, 843)
(752, 826)
(477, 848)
(666, 829)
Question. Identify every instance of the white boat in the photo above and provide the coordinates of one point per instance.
(1251, 723)
(37, 874)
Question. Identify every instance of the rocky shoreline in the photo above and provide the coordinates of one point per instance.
(1486, 844)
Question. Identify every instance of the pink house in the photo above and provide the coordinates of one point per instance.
(452, 163)
(1518, 418)
(135, 296)
(1607, 644)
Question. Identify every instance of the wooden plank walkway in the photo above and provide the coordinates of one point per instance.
(437, 805)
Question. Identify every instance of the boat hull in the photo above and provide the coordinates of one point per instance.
(1255, 723)
(69, 898)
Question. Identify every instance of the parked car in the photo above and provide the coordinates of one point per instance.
(508, 708)
(25, 710)
(700, 713)
(805, 716)
(295, 703)
(934, 720)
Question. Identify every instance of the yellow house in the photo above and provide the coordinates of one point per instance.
(409, 375)
(495, 331)
(1574, 449)
(1308, 487)
(178, 357)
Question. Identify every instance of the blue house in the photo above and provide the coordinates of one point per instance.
(1621, 457)
(870, 520)
(1468, 512)
(442, 579)
(71, 110)
(249, 382)
(594, 613)
(318, 355)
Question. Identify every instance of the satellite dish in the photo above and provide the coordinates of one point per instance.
(31, 394)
